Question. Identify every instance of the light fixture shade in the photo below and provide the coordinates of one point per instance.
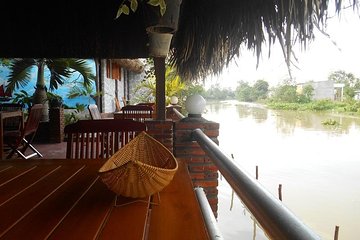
(174, 100)
(195, 104)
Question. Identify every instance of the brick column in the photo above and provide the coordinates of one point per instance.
(56, 125)
(202, 171)
(162, 131)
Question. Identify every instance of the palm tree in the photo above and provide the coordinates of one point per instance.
(60, 69)
(80, 89)
(146, 90)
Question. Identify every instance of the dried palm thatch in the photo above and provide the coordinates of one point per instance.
(211, 33)
(134, 65)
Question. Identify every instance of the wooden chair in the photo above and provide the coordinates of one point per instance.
(147, 104)
(89, 139)
(137, 112)
(11, 124)
(95, 114)
(117, 105)
(20, 141)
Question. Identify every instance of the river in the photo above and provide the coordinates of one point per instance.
(318, 166)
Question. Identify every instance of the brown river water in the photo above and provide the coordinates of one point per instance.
(318, 167)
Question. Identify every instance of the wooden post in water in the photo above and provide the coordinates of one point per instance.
(232, 190)
(336, 236)
(280, 192)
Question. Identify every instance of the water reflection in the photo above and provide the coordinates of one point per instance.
(318, 166)
(255, 111)
(287, 121)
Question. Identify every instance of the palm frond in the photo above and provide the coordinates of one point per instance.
(81, 66)
(62, 68)
(59, 71)
(82, 90)
(20, 73)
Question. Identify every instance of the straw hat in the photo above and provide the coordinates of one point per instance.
(141, 168)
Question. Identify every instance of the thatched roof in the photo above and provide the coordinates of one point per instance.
(210, 32)
(208, 39)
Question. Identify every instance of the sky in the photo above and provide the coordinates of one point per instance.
(315, 63)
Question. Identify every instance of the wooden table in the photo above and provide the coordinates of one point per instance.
(4, 115)
(65, 199)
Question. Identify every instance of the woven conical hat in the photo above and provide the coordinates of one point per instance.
(141, 168)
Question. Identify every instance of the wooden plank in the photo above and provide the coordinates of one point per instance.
(43, 219)
(10, 171)
(22, 204)
(22, 179)
(86, 219)
(128, 220)
(178, 216)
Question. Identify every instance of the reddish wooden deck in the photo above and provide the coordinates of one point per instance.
(65, 199)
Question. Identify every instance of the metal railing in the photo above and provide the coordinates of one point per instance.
(276, 220)
(178, 114)
(208, 215)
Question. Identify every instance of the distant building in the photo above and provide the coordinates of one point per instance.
(322, 90)
(120, 77)
(339, 91)
(357, 95)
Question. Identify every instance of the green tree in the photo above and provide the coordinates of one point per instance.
(5, 62)
(244, 92)
(80, 89)
(351, 83)
(215, 92)
(260, 89)
(194, 88)
(285, 93)
(60, 69)
(306, 95)
(146, 90)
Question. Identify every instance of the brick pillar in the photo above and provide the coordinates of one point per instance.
(56, 125)
(202, 171)
(162, 131)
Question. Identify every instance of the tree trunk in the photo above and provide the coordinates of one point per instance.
(40, 92)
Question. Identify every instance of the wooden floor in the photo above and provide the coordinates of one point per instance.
(45, 199)
(48, 150)
(52, 150)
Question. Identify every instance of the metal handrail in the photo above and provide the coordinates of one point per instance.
(178, 113)
(276, 220)
(208, 215)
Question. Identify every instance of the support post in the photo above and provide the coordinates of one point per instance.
(159, 63)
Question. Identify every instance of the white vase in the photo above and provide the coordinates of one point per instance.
(159, 44)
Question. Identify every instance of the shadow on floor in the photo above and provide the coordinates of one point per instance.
(52, 150)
